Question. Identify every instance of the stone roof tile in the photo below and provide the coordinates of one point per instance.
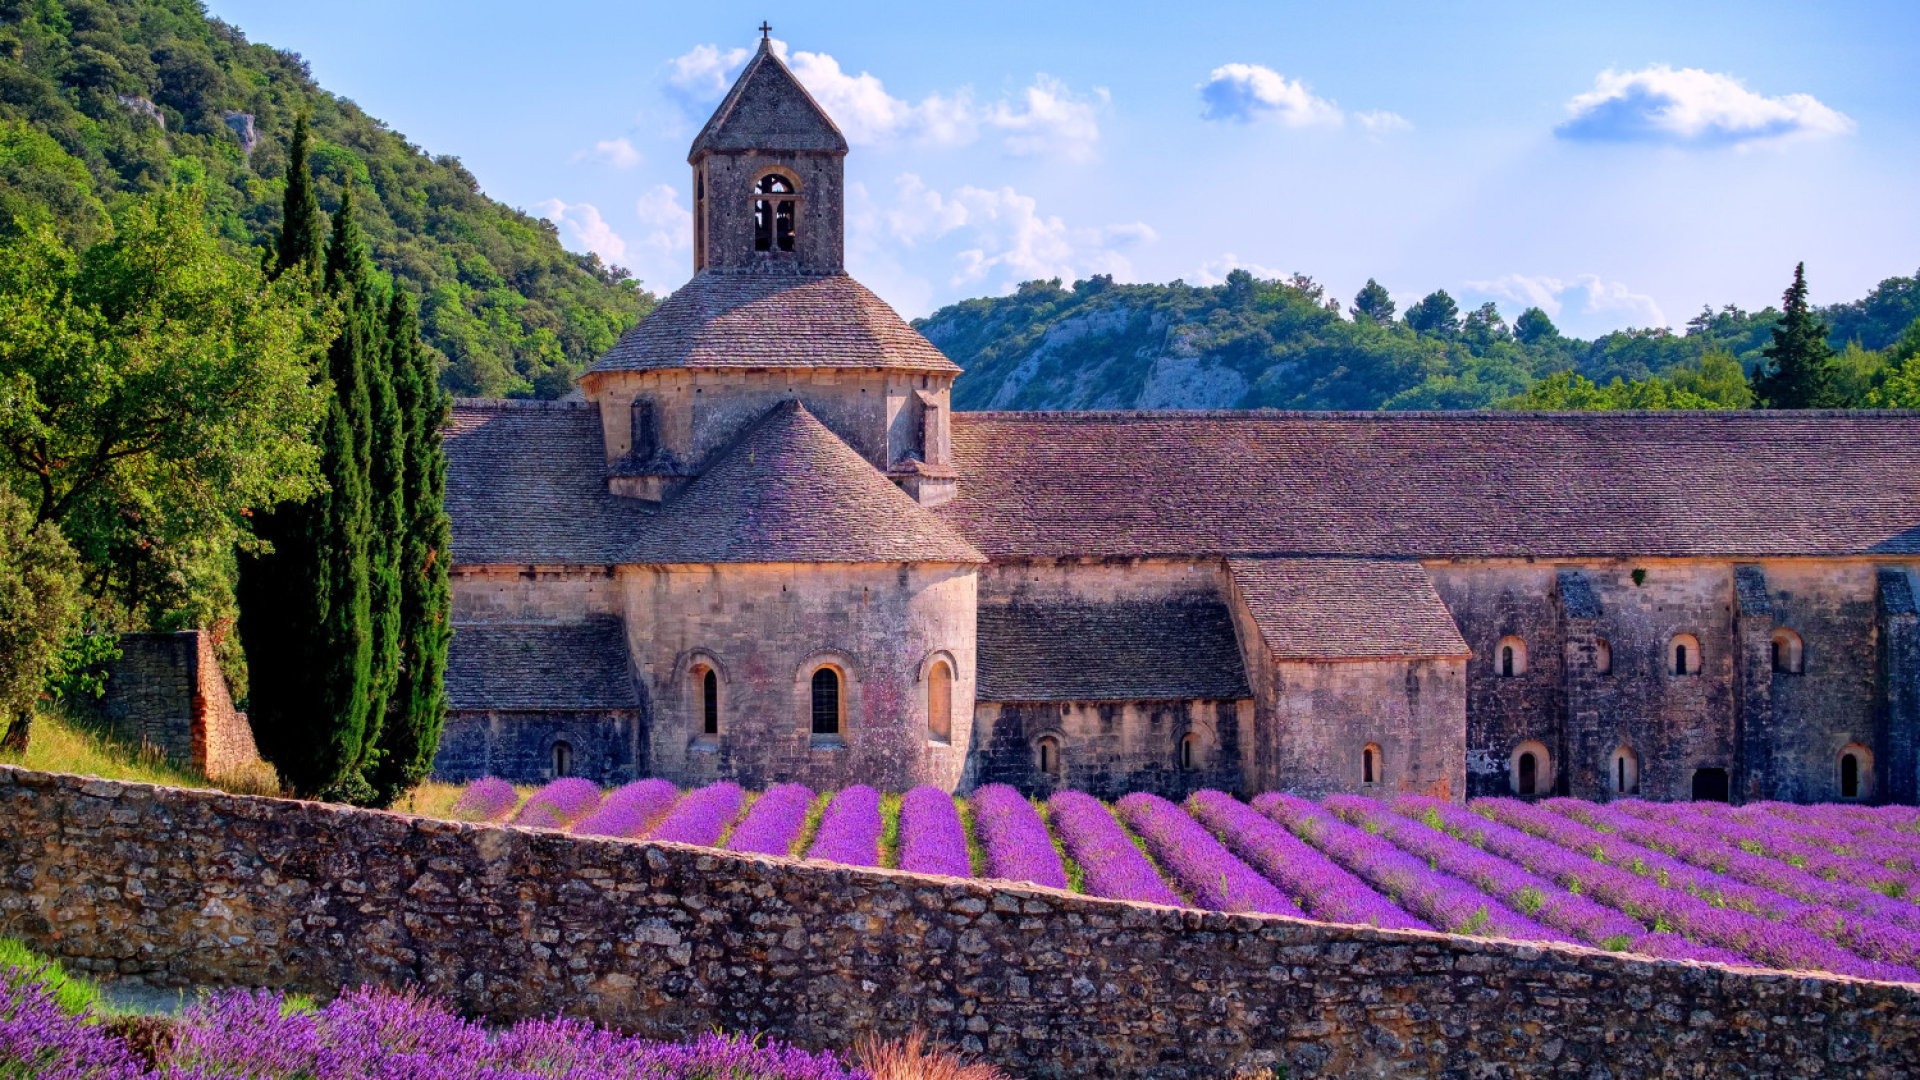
(1181, 648)
(540, 667)
(768, 109)
(1438, 485)
(773, 319)
(1346, 609)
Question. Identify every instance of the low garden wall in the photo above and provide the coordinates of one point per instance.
(195, 888)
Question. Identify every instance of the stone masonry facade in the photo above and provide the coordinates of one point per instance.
(166, 692)
(184, 888)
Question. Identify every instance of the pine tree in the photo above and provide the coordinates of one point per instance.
(411, 735)
(1798, 370)
(1372, 302)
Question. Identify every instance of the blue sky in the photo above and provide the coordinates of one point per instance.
(1620, 164)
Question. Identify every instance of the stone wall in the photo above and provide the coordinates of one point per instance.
(166, 692)
(198, 888)
(1111, 748)
(606, 746)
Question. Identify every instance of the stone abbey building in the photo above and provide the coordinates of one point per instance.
(763, 547)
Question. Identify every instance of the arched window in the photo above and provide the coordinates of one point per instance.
(826, 702)
(1372, 765)
(940, 702)
(1856, 772)
(1787, 652)
(562, 759)
(1510, 657)
(1623, 772)
(1189, 752)
(710, 703)
(1602, 657)
(774, 218)
(1683, 655)
(1530, 769)
(1047, 752)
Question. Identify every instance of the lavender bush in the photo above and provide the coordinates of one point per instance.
(39, 1039)
(486, 799)
(931, 838)
(1847, 835)
(1660, 889)
(1441, 899)
(631, 810)
(1207, 871)
(850, 831)
(773, 823)
(559, 804)
(1779, 840)
(1326, 891)
(1114, 867)
(1016, 840)
(702, 816)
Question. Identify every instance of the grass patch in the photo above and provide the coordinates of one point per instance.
(747, 799)
(1147, 854)
(976, 851)
(73, 994)
(1076, 874)
(65, 744)
(890, 831)
(811, 826)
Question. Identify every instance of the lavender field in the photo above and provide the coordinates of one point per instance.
(1808, 888)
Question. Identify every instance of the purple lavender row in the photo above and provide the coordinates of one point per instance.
(1756, 854)
(1797, 896)
(486, 799)
(774, 821)
(630, 811)
(559, 804)
(1441, 899)
(1112, 865)
(932, 840)
(1529, 893)
(378, 1033)
(1213, 876)
(702, 816)
(1018, 847)
(1620, 889)
(1843, 833)
(1673, 896)
(1317, 883)
(850, 829)
(39, 1039)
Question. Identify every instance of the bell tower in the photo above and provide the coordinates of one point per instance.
(768, 177)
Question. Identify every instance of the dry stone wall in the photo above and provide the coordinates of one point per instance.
(181, 887)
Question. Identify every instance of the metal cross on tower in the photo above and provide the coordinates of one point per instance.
(765, 30)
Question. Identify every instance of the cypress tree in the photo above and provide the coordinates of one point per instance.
(386, 539)
(411, 735)
(1798, 370)
(299, 240)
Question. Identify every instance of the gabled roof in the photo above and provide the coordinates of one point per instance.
(773, 321)
(1346, 609)
(1181, 648)
(768, 109)
(527, 485)
(541, 667)
(1438, 485)
(789, 490)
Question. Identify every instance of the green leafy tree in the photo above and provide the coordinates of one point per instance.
(39, 608)
(1798, 370)
(1901, 388)
(153, 389)
(1373, 304)
(1534, 326)
(1436, 313)
(40, 183)
(411, 734)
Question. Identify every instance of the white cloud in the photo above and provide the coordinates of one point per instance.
(1215, 271)
(671, 224)
(997, 233)
(1691, 107)
(1248, 92)
(701, 75)
(618, 153)
(1047, 117)
(588, 229)
(1552, 295)
(1053, 120)
(1380, 121)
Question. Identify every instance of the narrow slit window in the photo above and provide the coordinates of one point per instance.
(940, 703)
(710, 703)
(1048, 752)
(562, 759)
(1369, 766)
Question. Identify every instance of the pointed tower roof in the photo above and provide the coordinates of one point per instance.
(768, 109)
(788, 490)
